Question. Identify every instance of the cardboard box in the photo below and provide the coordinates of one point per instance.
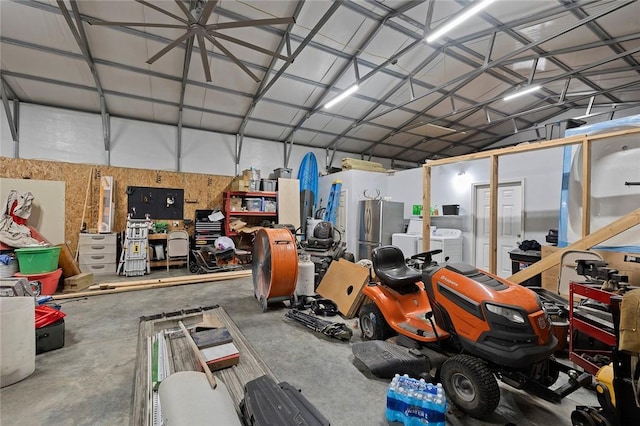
(240, 185)
(235, 204)
(251, 174)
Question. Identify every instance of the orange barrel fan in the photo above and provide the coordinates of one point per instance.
(275, 265)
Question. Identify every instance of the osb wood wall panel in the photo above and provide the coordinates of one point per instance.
(201, 191)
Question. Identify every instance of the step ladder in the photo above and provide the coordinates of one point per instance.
(333, 202)
(134, 259)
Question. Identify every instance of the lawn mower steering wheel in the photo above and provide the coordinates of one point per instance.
(425, 258)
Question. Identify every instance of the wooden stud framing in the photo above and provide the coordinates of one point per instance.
(426, 208)
(625, 222)
(493, 214)
(494, 155)
(586, 183)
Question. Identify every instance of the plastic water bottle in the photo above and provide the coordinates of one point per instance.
(440, 407)
(392, 400)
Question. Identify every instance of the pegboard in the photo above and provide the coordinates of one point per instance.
(158, 203)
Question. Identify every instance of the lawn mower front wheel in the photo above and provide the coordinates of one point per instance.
(470, 385)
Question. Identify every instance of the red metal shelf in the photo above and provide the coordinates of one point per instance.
(578, 355)
(252, 213)
(250, 194)
(227, 195)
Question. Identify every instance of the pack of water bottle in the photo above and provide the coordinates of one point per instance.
(414, 402)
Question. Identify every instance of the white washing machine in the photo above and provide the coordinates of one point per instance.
(450, 242)
(409, 242)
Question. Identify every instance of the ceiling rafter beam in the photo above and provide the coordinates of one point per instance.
(478, 71)
(327, 15)
(284, 42)
(334, 143)
(487, 143)
(536, 48)
(183, 87)
(429, 18)
(368, 39)
(354, 6)
(487, 56)
(335, 52)
(168, 103)
(568, 75)
(366, 12)
(303, 44)
(194, 83)
(574, 49)
(77, 30)
(6, 92)
(545, 107)
(604, 36)
(465, 78)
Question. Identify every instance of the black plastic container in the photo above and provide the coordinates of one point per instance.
(268, 403)
(50, 337)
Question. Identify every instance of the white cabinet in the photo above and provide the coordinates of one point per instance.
(97, 253)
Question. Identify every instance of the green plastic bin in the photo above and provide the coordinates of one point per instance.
(38, 260)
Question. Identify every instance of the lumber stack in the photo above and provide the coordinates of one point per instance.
(122, 286)
(78, 282)
(369, 166)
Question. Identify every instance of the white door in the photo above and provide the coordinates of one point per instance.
(509, 225)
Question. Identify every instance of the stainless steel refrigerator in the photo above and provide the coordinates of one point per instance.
(378, 220)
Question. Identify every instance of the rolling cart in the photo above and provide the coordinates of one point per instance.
(613, 379)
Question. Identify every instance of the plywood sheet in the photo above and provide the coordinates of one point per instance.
(201, 191)
(289, 202)
(343, 284)
(48, 208)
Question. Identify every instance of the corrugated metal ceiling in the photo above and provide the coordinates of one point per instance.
(585, 53)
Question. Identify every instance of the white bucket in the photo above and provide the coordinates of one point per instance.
(305, 283)
(17, 339)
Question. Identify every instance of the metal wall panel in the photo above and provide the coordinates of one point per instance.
(60, 135)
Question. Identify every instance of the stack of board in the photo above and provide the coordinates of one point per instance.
(217, 348)
(354, 164)
(215, 344)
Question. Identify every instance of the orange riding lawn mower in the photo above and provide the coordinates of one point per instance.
(461, 326)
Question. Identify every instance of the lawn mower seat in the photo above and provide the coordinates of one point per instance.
(389, 265)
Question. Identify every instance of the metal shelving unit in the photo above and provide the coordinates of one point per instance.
(251, 217)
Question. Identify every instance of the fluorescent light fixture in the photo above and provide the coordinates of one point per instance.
(522, 92)
(445, 128)
(350, 91)
(477, 6)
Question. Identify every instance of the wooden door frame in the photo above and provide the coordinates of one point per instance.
(474, 204)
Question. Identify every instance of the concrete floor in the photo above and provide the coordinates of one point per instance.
(90, 380)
